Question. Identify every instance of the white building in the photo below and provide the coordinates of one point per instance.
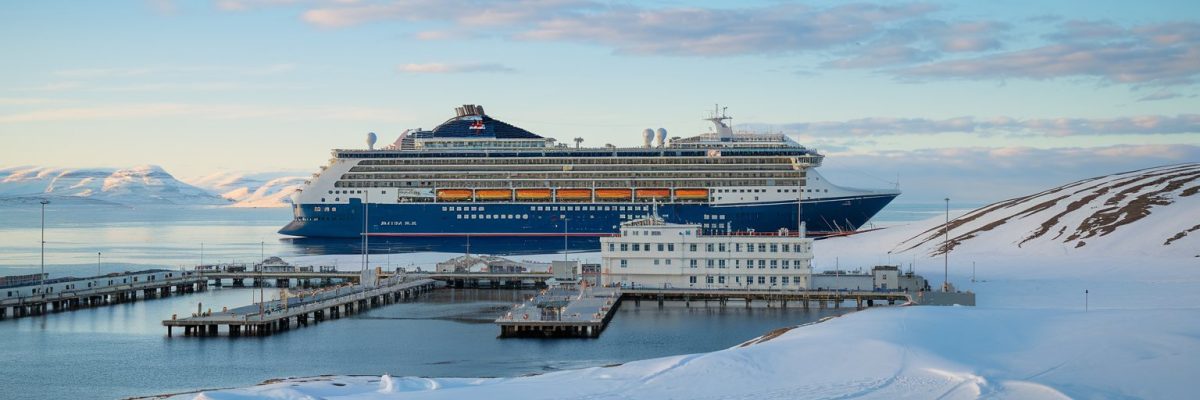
(651, 253)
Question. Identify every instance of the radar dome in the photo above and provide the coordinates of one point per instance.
(647, 136)
(371, 138)
(661, 137)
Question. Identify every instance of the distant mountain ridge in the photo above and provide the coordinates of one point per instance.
(252, 190)
(146, 184)
(1148, 211)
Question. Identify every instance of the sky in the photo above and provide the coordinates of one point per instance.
(974, 100)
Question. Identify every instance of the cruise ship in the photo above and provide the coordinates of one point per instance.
(477, 176)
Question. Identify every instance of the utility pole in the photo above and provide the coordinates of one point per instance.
(97, 263)
(42, 277)
(946, 250)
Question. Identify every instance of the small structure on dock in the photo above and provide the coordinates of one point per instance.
(581, 312)
(489, 264)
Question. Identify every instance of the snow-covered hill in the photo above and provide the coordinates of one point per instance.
(252, 190)
(1153, 211)
(147, 184)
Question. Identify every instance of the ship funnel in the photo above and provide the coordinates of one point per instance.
(661, 138)
(647, 137)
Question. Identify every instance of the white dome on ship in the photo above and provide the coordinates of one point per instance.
(371, 138)
(647, 136)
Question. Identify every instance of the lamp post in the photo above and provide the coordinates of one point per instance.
(946, 251)
(42, 277)
(97, 263)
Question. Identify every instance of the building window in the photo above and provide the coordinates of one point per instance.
(624, 263)
(762, 248)
(762, 280)
(784, 281)
(612, 247)
(786, 248)
(692, 247)
(670, 246)
(637, 247)
(708, 247)
(668, 261)
(721, 247)
(774, 264)
(749, 248)
(721, 279)
(708, 279)
(660, 246)
(762, 264)
(647, 246)
(692, 263)
(655, 261)
(785, 264)
(708, 263)
(624, 246)
(721, 264)
(774, 248)
(773, 280)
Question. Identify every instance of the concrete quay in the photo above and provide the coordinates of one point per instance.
(561, 312)
(266, 318)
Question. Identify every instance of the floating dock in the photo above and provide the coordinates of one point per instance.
(562, 312)
(266, 318)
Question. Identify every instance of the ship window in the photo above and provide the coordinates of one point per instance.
(458, 216)
(524, 216)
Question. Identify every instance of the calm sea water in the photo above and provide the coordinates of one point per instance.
(122, 350)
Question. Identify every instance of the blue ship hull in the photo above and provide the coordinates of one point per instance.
(589, 220)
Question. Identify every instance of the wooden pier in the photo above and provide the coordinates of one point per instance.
(99, 291)
(560, 312)
(266, 318)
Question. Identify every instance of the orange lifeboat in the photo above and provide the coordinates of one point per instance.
(653, 193)
(614, 194)
(454, 194)
(574, 194)
(533, 194)
(493, 194)
(691, 194)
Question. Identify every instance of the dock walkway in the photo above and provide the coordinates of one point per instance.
(265, 318)
(95, 293)
(560, 312)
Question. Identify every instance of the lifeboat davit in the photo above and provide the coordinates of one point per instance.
(493, 194)
(453, 194)
(575, 194)
(691, 194)
(533, 194)
(614, 194)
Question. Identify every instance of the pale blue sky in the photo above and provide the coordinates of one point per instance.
(272, 85)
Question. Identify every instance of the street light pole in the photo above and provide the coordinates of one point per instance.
(42, 277)
(97, 263)
(946, 251)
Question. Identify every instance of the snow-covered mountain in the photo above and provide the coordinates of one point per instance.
(1153, 211)
(252, 190)
(147, 184)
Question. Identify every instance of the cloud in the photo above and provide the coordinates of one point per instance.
(985, 174)
(1154, 54)
(444, 68)
(1160, 95)
(883, 126)
(133, 111)
(186, 70)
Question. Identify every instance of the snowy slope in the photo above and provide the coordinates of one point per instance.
(1150, 212)
(252, 190)
(147, 184)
